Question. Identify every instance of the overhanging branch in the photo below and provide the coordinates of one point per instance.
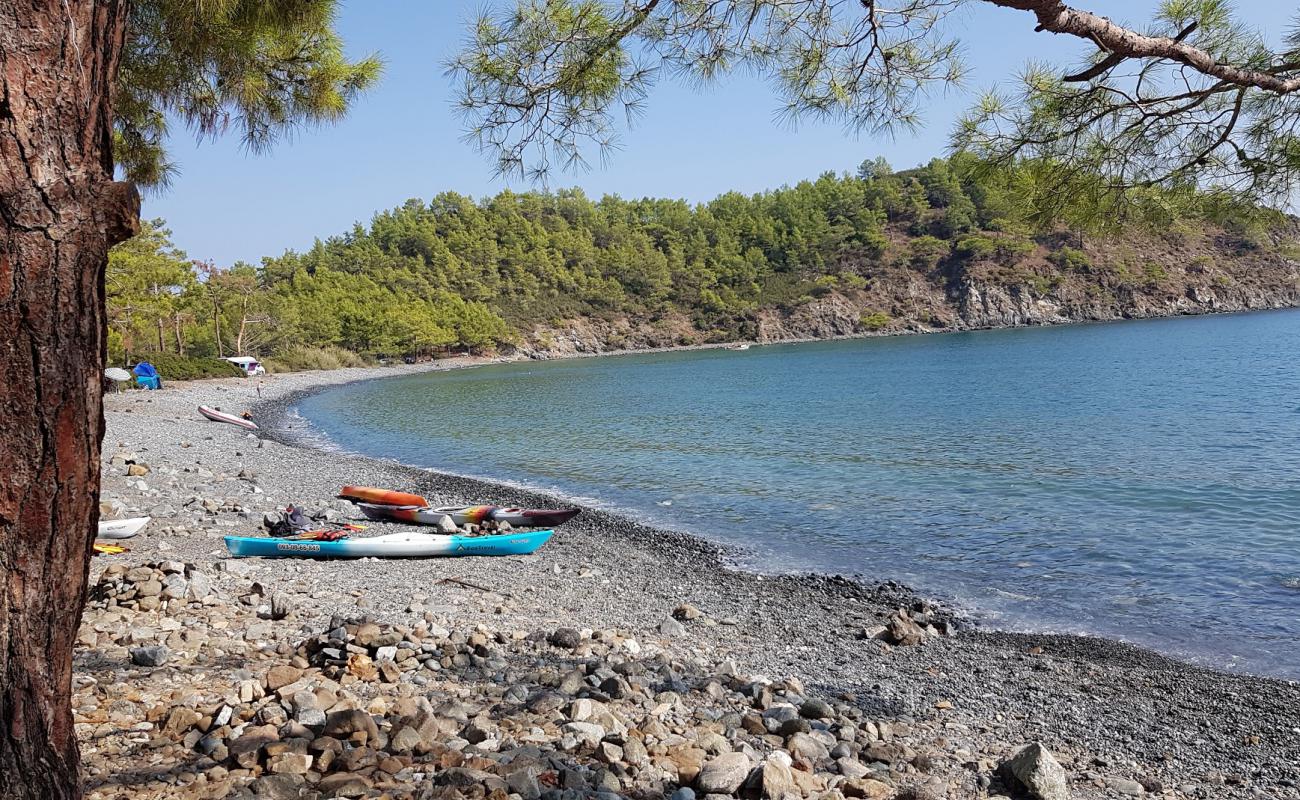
(1122, 43)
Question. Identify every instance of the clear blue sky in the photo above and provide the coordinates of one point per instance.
(403, 139)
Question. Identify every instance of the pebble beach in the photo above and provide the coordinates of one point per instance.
(619, 660)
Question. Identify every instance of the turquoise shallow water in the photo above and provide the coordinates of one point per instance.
(1139, 480)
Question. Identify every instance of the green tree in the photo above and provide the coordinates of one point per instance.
(145, 286)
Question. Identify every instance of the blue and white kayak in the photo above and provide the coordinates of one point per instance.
(392, 545)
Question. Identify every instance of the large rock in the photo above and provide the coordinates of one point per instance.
(281, 675)
(816, 709)
(345, 784)
(778, 777)
(289, 764)
(564, 638)
(1037, 771)
(343, 724)
(723, 774)
(689, 761)
(248, 747)
(903, 631)
(805, 747)
(278, 787)
(867, 789)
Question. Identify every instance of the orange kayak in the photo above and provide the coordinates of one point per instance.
(386, 497)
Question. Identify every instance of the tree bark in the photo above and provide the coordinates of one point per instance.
(243, 324)
(60, 211)
(1122, 42)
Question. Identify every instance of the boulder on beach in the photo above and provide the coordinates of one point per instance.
(1036, 771)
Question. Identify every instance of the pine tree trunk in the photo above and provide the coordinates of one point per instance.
(180, 340)
(59, 213)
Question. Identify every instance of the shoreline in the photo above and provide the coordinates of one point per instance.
(1088, 698)
(729, 556)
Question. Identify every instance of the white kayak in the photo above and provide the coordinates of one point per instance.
(217, 415)
(121, 528)
(470, 515)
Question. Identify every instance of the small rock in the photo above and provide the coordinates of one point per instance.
(1124, 786)
(671, 627)
(151, 656)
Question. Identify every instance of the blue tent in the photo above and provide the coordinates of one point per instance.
(147, 376)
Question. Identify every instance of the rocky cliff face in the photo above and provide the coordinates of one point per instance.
(992, 306)
(1114, 279)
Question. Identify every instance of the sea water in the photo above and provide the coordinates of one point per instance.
(1138, 480)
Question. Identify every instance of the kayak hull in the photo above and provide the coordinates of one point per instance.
(386, 497)
(418, 515)
(393, 545)
(120, 528)
(469, 515)
(221, 416)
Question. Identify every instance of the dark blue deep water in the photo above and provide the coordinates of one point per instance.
(1139, 480)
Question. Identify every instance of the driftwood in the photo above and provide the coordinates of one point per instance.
(467, 584)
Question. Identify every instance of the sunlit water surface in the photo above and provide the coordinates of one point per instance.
(1138, 480)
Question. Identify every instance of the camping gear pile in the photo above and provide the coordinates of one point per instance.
(299, 525)
(146, 375)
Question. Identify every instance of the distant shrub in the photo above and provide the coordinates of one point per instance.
(924, 252)
(307, 358)
(1042, 285)
(850, 280)
(874, 321)
(976, 247)
(1249, 233)
(1154, 273)
(1069, 259)
(823, 285)
(1289, 250)
(173, 367)
(1010, 249)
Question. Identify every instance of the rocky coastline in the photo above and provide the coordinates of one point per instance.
(620, 660)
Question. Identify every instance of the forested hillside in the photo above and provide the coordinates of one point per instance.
(944, 246)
